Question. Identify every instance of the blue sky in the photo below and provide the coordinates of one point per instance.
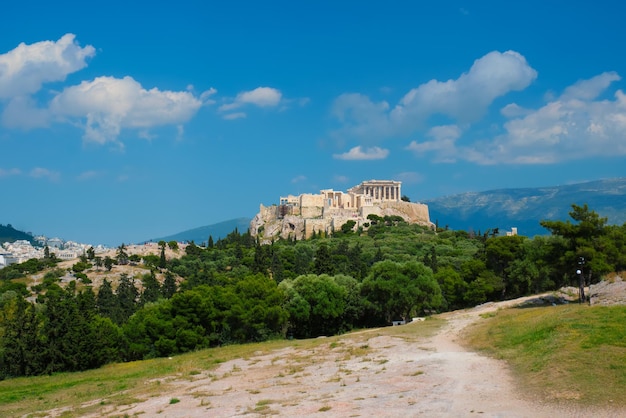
(123, 121)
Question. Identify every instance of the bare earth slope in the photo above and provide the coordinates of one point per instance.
(364, 374)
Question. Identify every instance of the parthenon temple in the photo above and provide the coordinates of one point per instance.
(365, 194)
(378, 190)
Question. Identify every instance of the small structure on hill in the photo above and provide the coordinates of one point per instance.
(299, 217)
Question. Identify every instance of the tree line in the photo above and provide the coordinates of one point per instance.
(235, 290)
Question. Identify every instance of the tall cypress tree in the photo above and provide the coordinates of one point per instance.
(127, 296)
(323, 260)
(151, 289)
(169, 285)
(106, 302)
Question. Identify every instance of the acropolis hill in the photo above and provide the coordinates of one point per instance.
(300, 216)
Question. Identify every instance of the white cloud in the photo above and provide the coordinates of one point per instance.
(513, 110)
(26, 68)
(410, 177)
(180, 132)
(591, 88)
(103, 106)
(204, 96)
(9, 172)
(39, 172)
(233, 116)
(87, 175)
(358, 153)
(341, 179)
(22, 112)
(261, 97)
(442, 143)
(362, 117)
(107, 104)
(465, 99)
(298, 179)
(575, 125)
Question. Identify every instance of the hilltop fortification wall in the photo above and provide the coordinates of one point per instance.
(302, 216)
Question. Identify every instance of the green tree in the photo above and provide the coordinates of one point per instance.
(104, 342)
(585, 238)
(108, 263)
(63, 332)
(348, 227)
(81, 266)
(315, 304)
(107, 303)
(357, 266)
(20, 347)
(162, 260)
(98, 262)
(400, 290)
(500, 253)
(482, 283)
(127, 296)
(323, 263)
(262, 315)
(169, 285)
(151, 288)
(122, 255)
(453, 287)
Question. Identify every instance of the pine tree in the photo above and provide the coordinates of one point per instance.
(169, 285)
(127, 295)
(151, 289)
(106, 302)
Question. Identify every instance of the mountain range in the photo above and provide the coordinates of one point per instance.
(201, 234)
(524, 208)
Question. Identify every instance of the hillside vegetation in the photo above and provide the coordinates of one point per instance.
(238, 291)
(10, 234)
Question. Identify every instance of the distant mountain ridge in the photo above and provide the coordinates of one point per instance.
(201, 234)
(524, 208)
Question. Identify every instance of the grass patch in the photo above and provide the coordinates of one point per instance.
(417, 373)
(174, 400)
(263, 407)
(571, 352)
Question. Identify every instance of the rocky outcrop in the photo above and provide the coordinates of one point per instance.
(610, 291)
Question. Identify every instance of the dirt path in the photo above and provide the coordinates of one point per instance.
(361, 376)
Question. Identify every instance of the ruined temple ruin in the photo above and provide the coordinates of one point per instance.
(300, 216)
